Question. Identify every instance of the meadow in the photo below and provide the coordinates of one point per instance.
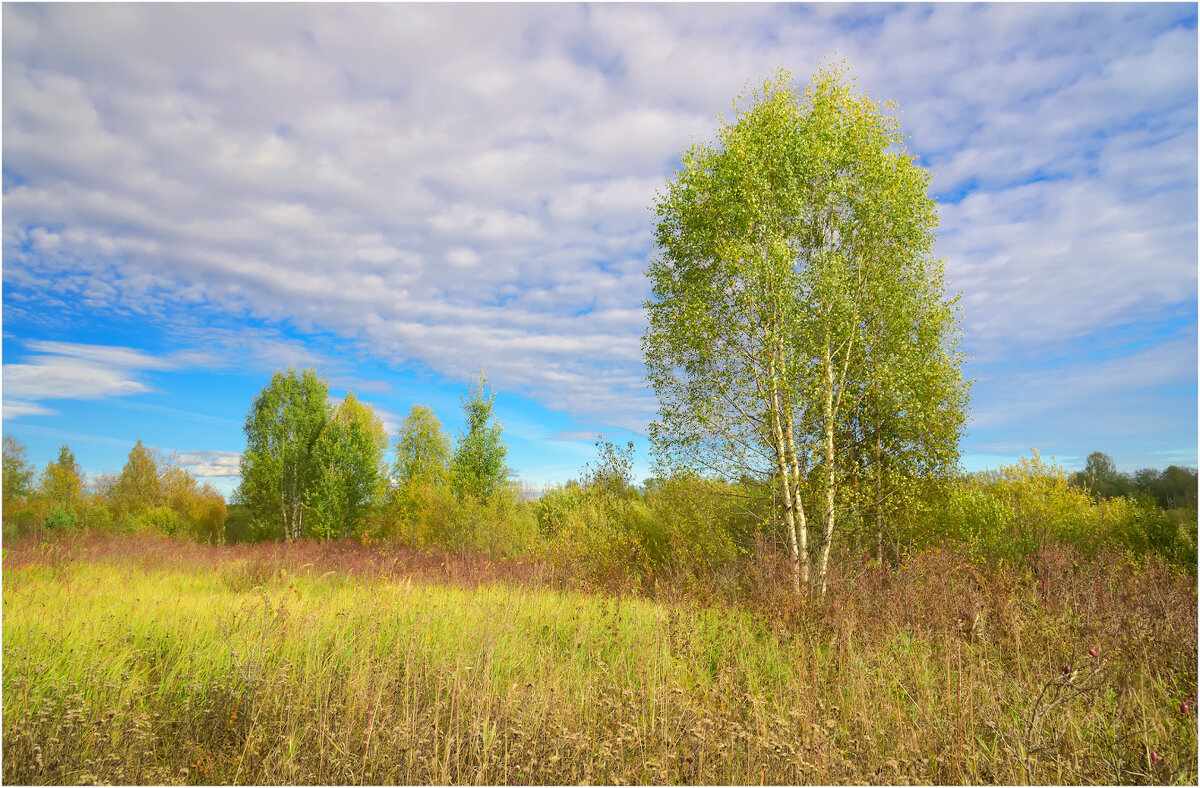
(143, 659)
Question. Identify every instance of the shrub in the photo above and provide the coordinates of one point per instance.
(239, 525)
(1015, 511)
(61, 518)
(426, 514)
(22, 522)
(161, 519)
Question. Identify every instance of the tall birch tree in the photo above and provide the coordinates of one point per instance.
(280, 464)
(777, 244)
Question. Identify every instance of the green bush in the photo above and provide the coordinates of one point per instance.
(239, 526)
(616, 536)
(60, 519)
(22, 522)
(431, 515)
(98, 517)
(704, 524)
(161, 519)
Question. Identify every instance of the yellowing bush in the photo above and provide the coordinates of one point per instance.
(1014, 511)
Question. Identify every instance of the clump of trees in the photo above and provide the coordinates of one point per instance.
(151, 494)
(313, 469)
(798, 331)
(310, 468)
(1173, 488)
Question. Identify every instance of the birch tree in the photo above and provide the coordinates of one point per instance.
(279, 465)
(777, 245)
(422, 449)
(478, 466)
(350, 476)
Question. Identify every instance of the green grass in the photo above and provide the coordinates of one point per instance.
(147, 670)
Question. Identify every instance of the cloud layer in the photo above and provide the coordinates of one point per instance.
(449, 185)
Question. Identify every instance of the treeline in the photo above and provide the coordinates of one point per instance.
(1173, 488)
(152, 494)
(318, 469)
(312, 469)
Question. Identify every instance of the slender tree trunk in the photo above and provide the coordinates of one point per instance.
(802, 523)
(878, 494)
(827, 413)
(785, 476)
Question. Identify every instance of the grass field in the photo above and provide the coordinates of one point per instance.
(141, 660)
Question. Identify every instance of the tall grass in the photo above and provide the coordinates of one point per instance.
(125, 661)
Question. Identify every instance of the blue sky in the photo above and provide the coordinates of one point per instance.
(197, 195)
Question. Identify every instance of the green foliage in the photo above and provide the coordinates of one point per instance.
(422, 470)
(478, 467)
(608, 533)
(350, 482)
(18, 472)
(139, 486)
(239, 525)
(61, 518)
(797, 309)
(1175, 488)
(708, 523)
(279, 465)
(1101, 478)
(62, 481)
(1012, 512)
(22, 522)
(422, 449)
(499, 526)
(161, 520)
(612, 471)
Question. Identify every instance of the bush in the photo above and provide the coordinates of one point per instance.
(98, 517)
(686, 528)
(161, 519)
(22, 522)
(60, 519)
(431, 515)
(239, 525)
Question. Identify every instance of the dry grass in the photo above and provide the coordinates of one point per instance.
(149, 661)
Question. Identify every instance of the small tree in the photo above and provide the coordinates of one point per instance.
(139, 487)
(350, 481)
(422, 449)
(62, 481)
(478, 467)
(1101, 478)
(279, 465)
(612, 471)
(18, 472)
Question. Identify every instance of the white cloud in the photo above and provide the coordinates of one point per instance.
(210, 464)
(62, 377)
(15, 409)
(72, 370)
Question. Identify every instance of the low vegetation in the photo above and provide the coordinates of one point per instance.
(143, 660)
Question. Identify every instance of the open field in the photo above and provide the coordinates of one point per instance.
(149, 660)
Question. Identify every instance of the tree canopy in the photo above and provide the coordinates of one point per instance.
(18, 473)
(310, 469)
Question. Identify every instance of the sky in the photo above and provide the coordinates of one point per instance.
(198, 195)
